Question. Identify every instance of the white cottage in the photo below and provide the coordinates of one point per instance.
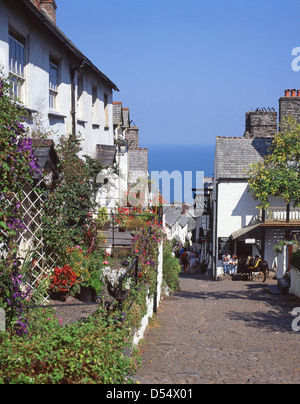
(239, 226)
(63, 91)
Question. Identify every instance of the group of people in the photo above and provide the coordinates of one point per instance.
(188, 259)
(230, 264)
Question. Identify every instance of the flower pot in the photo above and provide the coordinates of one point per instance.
(86, 294)
(122, 229)
(60, 296)
(106, 226)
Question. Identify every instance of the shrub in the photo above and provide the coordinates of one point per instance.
(295, 260)
(134, 224)
(171, 269)
(89, 352)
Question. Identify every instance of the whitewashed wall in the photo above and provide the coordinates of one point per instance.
(295, 282)
(236, 209)
(150, 300)
(39, 47)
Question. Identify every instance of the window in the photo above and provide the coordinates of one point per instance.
(16, 64)
(53, 84)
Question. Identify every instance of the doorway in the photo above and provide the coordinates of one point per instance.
(243, 249)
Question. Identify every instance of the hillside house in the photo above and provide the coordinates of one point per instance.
(239, 226)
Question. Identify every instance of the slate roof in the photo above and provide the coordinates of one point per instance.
(234, 154)
(183, 221)
(192, 224)
(46, 155)
(172, 215)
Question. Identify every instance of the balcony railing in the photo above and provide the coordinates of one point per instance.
(283, 215)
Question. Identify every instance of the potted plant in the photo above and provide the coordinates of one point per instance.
(61, 282)
(103, 219)
(91, 288)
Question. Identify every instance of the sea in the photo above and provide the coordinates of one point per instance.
(182, 158)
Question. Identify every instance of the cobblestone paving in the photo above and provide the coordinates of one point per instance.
(222, 332)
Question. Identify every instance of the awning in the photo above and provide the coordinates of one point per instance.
(245, 231)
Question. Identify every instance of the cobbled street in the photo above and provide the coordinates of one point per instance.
(222, 332)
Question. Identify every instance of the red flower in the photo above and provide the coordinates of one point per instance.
(62, 279)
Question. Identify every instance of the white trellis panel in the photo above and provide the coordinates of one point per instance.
(30, 239)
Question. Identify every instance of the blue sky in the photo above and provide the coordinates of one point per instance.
(188, 69)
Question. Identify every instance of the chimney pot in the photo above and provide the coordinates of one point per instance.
(293, 93)
(287, 93)
(298, 93)
(49, 7)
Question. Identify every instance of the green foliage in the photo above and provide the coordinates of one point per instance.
(295, 259)
(279, 174)
(102, 216)
(89, 352)
(171, 268)
(67, 218)
(17, 163)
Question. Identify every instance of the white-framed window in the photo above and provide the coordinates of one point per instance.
(53, 84)
(16, 64)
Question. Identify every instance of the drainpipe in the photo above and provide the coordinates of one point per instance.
(73, 93)
(119, 161)
(215, 241)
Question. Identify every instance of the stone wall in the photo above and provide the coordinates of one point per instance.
(138, 164)
(260, 124)
(132, 136)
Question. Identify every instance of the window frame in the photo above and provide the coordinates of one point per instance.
(17, 63)
(53, 83)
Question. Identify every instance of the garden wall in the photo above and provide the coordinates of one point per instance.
(151, 300)
(295, 282)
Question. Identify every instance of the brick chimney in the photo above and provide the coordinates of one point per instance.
(48, 6)
(289, 105)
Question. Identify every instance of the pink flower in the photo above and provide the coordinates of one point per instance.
(60, 321)
(105, 262)
(136, 251)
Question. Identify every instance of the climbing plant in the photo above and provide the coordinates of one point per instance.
(17, 168)
(69, 209)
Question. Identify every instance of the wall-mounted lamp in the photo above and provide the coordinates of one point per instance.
(122, 148)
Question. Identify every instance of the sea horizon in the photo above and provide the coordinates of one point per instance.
(183, 158)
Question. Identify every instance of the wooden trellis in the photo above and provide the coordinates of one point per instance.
(30, 239)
